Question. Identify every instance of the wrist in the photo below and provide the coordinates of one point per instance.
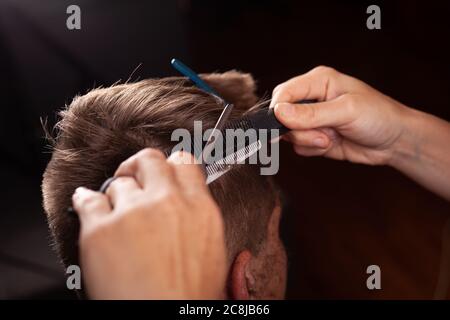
(406, 148)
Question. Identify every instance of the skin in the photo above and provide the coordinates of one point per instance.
(262, 276)
(156, 234)
(145, 211)
(353, 121)
(270, 268)
(184, 254)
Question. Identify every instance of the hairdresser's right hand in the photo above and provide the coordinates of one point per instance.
(156, 234)
(352, 121)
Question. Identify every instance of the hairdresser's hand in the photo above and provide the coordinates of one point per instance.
(357, 123)
(156, 234)
(351, 121)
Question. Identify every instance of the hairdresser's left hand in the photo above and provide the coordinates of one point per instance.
(351, 121)
(156, 234)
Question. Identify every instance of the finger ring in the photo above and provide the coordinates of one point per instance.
(106, 184)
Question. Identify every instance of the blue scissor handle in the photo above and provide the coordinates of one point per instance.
(185, 70)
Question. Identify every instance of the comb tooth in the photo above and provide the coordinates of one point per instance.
(243, 123)
(240, 155)
(218, 168)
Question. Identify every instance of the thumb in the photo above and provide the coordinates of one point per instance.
(306, 116)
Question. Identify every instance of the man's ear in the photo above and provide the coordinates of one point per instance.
(235, 87)
(241, 280)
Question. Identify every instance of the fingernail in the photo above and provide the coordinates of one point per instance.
(320, 142)
(286, 109)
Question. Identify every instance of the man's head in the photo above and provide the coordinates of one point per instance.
(101, 129)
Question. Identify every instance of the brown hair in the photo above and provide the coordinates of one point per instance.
(101, 129)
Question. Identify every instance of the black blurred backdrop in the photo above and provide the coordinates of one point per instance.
(344, 217)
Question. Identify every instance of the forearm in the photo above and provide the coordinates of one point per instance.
(423, 151)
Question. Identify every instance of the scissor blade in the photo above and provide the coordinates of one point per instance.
(219, 168)
(210, 143)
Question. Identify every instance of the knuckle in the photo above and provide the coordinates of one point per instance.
(88, 202)
(151, 153)
(120, 183)
(163, 198)
(184, 157)
(123, 167)
(147, 156)
(325, 70)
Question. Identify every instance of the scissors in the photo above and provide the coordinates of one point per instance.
(223, 118)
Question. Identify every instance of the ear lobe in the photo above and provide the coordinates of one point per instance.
(239, 285)
(235, 87)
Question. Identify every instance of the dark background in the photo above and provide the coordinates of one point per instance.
(343, 217)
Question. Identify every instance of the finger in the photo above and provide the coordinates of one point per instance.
(309, 138)
(122, 190)
(190, 176)
(331, 133)
(150, 168)
(90, 204)
(306, 116)
(309, 151)
(321, 83)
